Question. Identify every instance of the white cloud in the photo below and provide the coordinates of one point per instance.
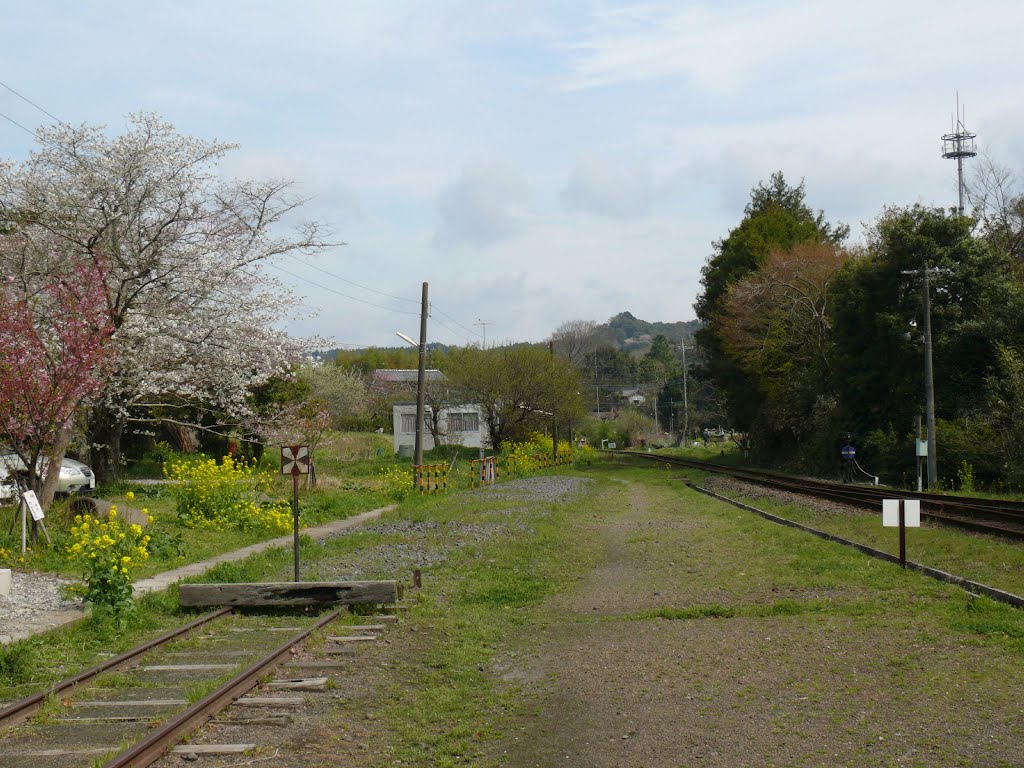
(621, 190)
(485, 205)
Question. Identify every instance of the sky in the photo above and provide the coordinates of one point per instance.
(534, 162)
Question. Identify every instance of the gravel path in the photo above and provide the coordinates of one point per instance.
(33, 604)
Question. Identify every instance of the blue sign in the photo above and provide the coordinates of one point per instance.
(848, 452)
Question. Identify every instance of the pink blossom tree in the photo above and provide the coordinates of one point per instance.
(55, 351)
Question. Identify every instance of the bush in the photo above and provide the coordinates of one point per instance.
(227, 495)
(108, 550)
(397, 481)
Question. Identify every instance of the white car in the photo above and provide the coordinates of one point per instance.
(74, 475)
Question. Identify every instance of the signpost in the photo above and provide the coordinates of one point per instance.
(295, 462)
(901, 513)
(30, 502)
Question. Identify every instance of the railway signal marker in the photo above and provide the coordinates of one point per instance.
(902, 514)
(295, 461)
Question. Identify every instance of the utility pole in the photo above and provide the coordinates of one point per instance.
(929, 383)
(483, 324)
(929, 380)
(686, 405)
(554, 421)
(421, 384)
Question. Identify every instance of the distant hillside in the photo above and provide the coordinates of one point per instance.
(632, 334)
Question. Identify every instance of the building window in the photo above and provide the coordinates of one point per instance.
(464, 422)
(408, 423)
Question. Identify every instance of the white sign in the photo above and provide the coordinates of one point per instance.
(911, 513)
(294, 459)
(33, 505)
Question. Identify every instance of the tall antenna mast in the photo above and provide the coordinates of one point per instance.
(959, 144)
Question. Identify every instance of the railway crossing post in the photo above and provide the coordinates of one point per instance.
(295, 462)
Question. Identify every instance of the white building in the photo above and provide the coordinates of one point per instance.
(459, 425)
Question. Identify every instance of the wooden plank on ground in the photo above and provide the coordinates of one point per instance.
(304, 684)
(353, 639)
(289, 593)
(212, 749)
(270, 701)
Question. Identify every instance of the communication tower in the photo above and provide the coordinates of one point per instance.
(959, 143)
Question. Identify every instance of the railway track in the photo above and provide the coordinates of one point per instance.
(134, 708)
(991, 516)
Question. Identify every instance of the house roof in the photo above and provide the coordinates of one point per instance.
(406, 375)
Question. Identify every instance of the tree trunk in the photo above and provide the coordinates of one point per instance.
(54, 458)
(105, 430)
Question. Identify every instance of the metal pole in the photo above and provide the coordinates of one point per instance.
(295, 518)
(929, 385)
(420, 382)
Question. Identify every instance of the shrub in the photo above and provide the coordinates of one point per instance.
(226, 495)
(108, 550)
(397, 481)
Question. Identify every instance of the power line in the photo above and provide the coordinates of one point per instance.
(469, 330)
(351, 282)
(339, 293)
(15, 122)
(392, 296)
(452, 330)
(29, 101)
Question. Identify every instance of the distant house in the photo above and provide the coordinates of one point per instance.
(633, 396)
(397, 380)
(459, 425)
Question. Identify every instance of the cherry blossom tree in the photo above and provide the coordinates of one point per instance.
(55, 349)
(194, 313)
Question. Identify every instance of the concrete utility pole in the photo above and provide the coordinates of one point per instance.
(929, 384)
(929, 380)
(421, 381)
(686, 405)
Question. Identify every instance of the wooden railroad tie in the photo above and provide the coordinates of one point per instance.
(289, 593)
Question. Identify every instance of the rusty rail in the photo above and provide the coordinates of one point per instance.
(22, 710)
(154, 746)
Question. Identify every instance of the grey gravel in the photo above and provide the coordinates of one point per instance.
(33, 594)
(428, 543)
(551, 488)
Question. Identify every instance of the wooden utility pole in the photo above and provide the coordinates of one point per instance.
(421, 384)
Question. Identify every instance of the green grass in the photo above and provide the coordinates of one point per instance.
(990, 560)
(443, 701)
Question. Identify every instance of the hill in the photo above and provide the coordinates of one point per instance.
(632, 334)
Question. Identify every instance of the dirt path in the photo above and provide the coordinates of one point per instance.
(613, 684)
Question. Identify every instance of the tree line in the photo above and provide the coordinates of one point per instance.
(808, 338)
